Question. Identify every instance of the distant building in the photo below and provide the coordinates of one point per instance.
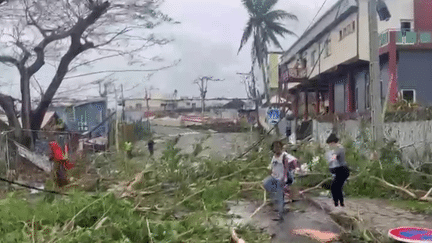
(83, 116)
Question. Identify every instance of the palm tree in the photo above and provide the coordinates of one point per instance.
(264, 25)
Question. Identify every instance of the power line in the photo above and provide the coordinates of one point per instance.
(315, 16)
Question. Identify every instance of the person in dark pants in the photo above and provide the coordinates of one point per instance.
(151, 147)
(338, 167)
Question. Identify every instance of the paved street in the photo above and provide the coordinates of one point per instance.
(378, 214)
(301, 215)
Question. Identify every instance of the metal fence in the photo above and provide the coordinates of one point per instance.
(16, 158)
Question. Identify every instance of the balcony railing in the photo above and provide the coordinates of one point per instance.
(406, 37)
(293, 74)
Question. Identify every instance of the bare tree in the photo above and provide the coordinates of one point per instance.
(62, 31)
(251, 91)
(202, 83)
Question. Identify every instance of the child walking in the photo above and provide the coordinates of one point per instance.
(276, 182)
(338, 167)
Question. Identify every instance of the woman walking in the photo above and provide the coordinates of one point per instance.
(276, 182)
(338, 167)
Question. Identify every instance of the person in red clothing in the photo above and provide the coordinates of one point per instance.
(61, 164)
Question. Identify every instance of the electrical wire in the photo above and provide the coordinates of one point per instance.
(319, 10)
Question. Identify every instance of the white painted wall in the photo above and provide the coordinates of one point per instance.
(341, 50)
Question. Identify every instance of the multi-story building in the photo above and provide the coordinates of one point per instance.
(273, 72)
(329, 63)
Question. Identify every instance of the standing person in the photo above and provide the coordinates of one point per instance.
(151, 147)
(60, 165)
(276, 181)
(338, 167)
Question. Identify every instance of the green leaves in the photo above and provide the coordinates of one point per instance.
(264, 26)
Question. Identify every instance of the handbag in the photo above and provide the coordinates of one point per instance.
(290, 177)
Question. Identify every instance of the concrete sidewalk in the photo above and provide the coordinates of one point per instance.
(375, 214)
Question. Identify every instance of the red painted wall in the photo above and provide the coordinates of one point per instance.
(422, 15)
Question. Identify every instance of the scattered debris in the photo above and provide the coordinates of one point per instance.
(320, 236)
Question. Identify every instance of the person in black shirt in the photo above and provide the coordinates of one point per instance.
(151, 147)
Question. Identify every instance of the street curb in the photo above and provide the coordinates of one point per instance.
(346, 221)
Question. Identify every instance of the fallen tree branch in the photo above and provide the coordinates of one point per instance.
(149, 232)
(259, 208)
(187, 198)
(235, 238)
(317, 186)
(426, 197)
(406, 191)
(235, 173)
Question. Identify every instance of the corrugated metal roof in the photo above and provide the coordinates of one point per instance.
(321, 26)
(46, 119)
(72, 102)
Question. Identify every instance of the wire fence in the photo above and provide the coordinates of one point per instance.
(16, 159)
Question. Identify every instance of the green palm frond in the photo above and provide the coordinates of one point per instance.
(273, 39)
(277, 15)
(279, 29)
(264, 27)
(250, 6)
(267, 5)
(246, 33)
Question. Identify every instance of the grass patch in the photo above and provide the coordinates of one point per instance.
(183, 200)
(414, 206)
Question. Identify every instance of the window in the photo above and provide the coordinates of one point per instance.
(405, 26)
(138, 106)
(188, 103)
(327, 48)
(313, 57)
(349, 29)
(409, 95)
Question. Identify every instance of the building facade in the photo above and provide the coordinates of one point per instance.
(84, 116)
(329, 65)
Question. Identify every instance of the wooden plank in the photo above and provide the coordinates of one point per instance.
(41, 161)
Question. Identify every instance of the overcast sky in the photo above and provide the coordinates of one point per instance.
(206, 41)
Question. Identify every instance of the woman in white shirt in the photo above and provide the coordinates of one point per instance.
(276, 182)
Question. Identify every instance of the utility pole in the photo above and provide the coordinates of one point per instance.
(117, 122)
(123, 103)
(375, 80)
(203, 94)
(146, 97)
